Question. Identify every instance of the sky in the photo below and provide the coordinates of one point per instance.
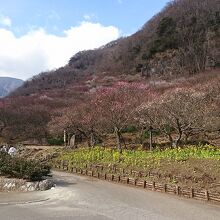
(42, 35)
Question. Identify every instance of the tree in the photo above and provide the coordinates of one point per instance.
(84, 118)
(22, 123)
(116, 107)
(145, 120)
(180, 113)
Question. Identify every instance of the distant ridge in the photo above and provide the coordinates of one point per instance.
(8, 84)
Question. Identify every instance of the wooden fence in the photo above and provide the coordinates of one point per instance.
(138, 181)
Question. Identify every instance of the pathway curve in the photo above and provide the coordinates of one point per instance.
(83, 198)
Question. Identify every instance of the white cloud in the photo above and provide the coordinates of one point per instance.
(5, 21)
(38, 50)
(89, 17)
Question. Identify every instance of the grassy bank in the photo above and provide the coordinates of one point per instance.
(139, 158)
(191, 166)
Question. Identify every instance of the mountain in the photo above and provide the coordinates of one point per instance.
(182, 40)
(7, 85)
(179, 48)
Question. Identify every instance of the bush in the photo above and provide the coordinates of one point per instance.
(129, 129)
(22, 168)
(147, 133)
(55, 141)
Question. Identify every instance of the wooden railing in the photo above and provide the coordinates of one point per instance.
(138, 181)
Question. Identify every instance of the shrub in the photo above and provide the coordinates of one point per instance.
(147, 133)
(55, 141)
(129, 129)
(22, 168)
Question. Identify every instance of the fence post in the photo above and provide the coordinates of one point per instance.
(191, 193)
(153, 184)
(144, 185)
(119, 178)
(112, 177)
(105, 176)
(98, 175)
(92, 172)
(207, 195)
(165, 187)
(127, 181)
(67, 166)
(71, 169)
(177, 190)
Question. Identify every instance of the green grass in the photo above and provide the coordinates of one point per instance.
(139, 158)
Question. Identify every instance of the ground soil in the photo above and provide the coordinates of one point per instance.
(192, 173)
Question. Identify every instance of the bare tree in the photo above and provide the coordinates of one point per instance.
(176, 114)
(116, 107)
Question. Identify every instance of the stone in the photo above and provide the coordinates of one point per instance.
(72, 141)
(31, 188)
(45, 185)
(8, 185)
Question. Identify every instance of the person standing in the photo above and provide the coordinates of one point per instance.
(12, 151)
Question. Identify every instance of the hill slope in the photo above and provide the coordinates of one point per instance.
(7, 85)
(182, 39)
(167, 54)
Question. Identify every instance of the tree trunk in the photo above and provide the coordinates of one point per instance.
(171, 140)
(92, 139)
(123, 140)
(142, 137)
(118, 139)
(179, 132)
(68, 139)
(151, 140)
(88, 143)
(186, 136)
(179, 139)
(65, 138)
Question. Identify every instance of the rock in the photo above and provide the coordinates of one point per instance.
(31, 188)
(45, 185)
(8, 185)
(73, 141)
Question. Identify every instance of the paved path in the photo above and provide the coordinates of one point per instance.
(81, 198)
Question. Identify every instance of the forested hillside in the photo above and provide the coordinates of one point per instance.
(164, 78)
(182, 39)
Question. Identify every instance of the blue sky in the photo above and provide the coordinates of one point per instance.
(52, 25)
